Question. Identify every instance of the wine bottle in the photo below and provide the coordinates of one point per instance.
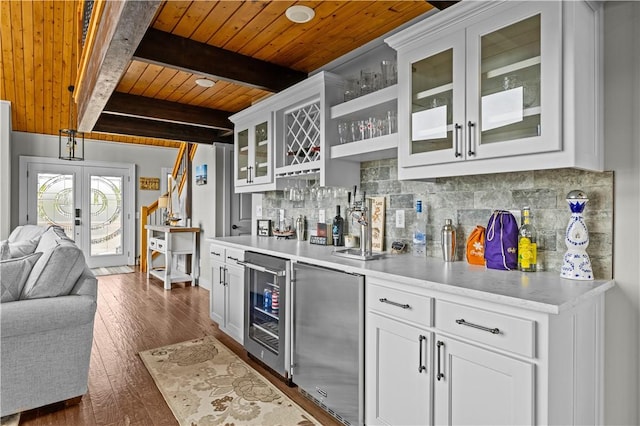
(337, 228)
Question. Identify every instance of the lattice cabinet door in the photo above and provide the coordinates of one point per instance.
(303, 134)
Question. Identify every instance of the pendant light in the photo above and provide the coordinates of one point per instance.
(70, 141)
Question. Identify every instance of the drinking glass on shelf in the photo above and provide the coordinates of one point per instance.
(366, 82)
(362, 126)
(355, 131)
(389, 73)
(351, 89)
(343, 132)
(391, 122)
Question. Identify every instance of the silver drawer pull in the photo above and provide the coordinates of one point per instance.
(479, 327)
(400, 305)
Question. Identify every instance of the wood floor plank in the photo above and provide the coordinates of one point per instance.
(136, 314)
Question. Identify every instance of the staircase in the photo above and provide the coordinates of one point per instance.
(152, 214)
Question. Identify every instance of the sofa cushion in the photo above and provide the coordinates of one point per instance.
(56, 272)
(49, 239)
(14, 274)
(23, 247)
(27, 232)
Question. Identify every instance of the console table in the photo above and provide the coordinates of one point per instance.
(170, 241)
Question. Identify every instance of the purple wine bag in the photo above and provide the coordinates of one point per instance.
(501, 242)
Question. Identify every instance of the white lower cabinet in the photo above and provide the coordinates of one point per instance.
(227, 290)
(398, 372)
(484, 363)
(481, 387)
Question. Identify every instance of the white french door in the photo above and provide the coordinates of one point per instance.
(92, 201)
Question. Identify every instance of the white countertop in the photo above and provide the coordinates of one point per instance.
(538, 291)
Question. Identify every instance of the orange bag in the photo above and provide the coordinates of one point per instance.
(475, 246)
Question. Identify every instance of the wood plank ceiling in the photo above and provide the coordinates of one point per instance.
(40, 43)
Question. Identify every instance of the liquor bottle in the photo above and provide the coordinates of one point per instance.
(420, 232)
(527, 243)
(266, 300)
(337, 228)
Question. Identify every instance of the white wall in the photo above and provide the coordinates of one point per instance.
(148, 160)
(210, 207)
(622, 155)
(5, 169)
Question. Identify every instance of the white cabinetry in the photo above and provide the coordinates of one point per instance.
(398, 357)
(170, 241)
(471, 103)
(227, 290)
(440, 358)
(302, 135)
(253, 156)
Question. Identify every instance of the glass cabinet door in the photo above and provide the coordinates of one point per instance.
(434, 103)
(514, 82)
(242, 157)
(261, 160)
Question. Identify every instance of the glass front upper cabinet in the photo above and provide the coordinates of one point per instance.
(490, 90)
(253, 144)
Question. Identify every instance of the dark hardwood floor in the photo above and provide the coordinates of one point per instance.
(136, 314)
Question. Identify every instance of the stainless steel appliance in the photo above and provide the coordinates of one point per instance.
(267, 318)
(328, 339)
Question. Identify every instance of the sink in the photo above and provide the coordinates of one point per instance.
(356, 253)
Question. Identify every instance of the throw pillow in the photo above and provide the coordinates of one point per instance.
(23, 248)
(14, 274)
(26, 232)
(5, 251)
(55, 273)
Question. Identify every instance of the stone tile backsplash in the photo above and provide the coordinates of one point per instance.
(469, 201)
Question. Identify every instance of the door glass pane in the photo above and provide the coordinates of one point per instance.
(106, 215)
(510, 82)
(243, 155)
(55, 201)
(431, 106)
(262, 149)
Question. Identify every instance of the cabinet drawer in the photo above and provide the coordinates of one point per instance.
(157, 244)
(233, 255)
(499, 330)
(400, 304)
(161, 245)
(217, 252)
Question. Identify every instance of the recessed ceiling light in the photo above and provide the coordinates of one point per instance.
(205, 82)
(300, 14)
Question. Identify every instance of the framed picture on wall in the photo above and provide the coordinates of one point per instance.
(201, 174)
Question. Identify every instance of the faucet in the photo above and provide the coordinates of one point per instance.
(360, 212)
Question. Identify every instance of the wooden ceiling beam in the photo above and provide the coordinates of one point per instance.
(118, 124)
(168, 50)
(122, 26)
(157, 109)
(441, 5)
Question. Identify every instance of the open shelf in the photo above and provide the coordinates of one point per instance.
(369, 100)
(368, 149)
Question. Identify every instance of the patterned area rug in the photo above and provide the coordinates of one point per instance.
(204, 383)
(112, 270)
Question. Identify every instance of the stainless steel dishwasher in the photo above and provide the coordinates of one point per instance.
(328, 340)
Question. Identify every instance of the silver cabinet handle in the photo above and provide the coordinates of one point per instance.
(456, 131)
(400, 305)
(479, 327)
(221, 280)
(471, 126)
(421, 366)
(440, 375)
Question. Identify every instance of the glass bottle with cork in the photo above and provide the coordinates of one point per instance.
(527, 243)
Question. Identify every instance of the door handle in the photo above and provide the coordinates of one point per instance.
(421, 366)
(234, 226)
(461, 321)
(391, 302)
(471, 126)
(456, 131)
(440, 375)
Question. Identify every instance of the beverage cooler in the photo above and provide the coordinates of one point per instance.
(266, 315)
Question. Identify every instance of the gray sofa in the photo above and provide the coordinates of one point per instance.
(46, 319)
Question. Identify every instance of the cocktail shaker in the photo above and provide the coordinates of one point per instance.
(448, 241)
(300, 228)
